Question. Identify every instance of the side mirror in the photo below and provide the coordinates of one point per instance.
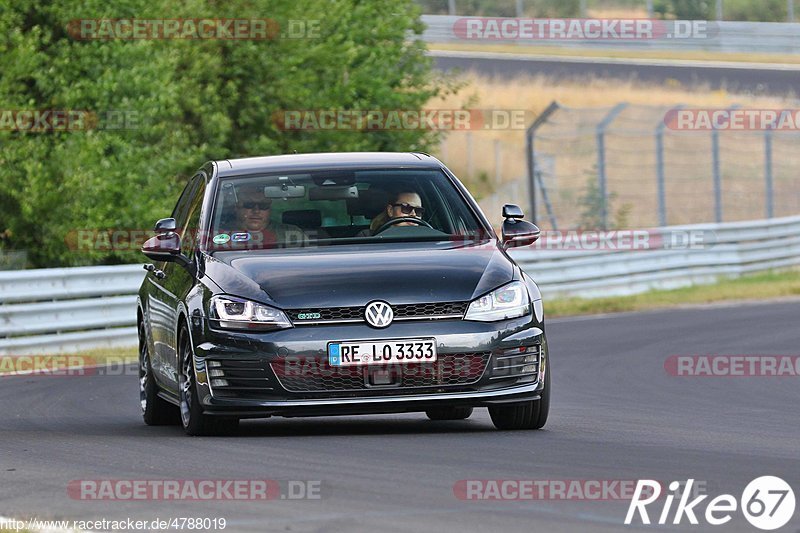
(166, 245)
(165, 225)
(517, 232)
(512, 211)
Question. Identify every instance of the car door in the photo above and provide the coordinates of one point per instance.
(167, 292)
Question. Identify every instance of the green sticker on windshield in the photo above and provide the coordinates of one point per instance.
(222, 238)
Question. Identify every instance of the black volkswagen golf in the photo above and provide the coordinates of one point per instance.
(329, 284)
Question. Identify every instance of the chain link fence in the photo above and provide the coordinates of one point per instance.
(623, 166)
(13, 260)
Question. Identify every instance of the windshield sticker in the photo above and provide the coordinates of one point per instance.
(240, 237)
(222, 238)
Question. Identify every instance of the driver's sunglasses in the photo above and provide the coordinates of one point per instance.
(263, 206)
(407, 209)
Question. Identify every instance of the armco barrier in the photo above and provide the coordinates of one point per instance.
(75, 309)
(62, 310)
(733, 249)
(727, 36)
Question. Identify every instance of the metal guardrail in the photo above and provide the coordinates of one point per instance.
(726, 36)
(737, 248)
(77, 309)
(63, 310)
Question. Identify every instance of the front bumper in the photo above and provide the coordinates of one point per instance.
(371, 404)
(217, 351)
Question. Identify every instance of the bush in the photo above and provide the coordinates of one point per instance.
(187, 101)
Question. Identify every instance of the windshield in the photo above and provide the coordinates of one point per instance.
(322, 208)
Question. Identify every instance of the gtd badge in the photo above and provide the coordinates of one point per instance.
(378, 314)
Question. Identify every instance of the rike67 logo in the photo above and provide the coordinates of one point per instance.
(767, 502)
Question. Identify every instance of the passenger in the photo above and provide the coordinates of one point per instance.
(254, 225)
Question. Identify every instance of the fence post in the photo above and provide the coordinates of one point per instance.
(498, 163)
(715, 161)
(530, 157)
(601, 160)
(451, 7)
(470, 166)
(768, 184)
(550, 214)
(790, 10)
(520, 9)
(719, 10)
(717, 177)
(660, 175)
(650, 8)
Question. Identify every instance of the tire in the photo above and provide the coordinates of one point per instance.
(524, 415)
(194, 422)
(155, 410)
(449, 413)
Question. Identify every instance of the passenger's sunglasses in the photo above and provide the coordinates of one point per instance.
(263, 206)
(407, 209)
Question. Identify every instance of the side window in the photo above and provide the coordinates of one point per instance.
(190, 234)
(181, 211)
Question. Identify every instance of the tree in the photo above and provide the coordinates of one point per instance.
(166, 106)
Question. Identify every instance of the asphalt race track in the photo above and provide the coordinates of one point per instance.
(616, 415)
(741, 78)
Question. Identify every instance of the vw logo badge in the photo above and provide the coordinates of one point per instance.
(379, 314)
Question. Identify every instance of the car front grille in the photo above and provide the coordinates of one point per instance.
(424, 311)
(517, 363)
(240, 378)
(315, 375)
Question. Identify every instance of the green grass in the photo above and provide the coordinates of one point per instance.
(690, 55)
(753, 287)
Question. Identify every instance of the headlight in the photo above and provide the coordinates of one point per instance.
(235, 313)
(509, 301)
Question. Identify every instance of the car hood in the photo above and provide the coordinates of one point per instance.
(346, 275)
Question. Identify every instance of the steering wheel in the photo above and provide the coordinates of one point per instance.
(398, 220)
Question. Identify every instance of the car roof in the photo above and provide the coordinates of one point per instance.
(249, 165)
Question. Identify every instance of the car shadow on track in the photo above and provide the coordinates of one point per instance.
(327, 426)
(333, 426)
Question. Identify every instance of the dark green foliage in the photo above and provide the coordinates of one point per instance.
(187, 101)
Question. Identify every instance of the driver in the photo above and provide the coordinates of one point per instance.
(404, 204)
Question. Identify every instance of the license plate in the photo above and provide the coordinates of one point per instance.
(399, 351)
